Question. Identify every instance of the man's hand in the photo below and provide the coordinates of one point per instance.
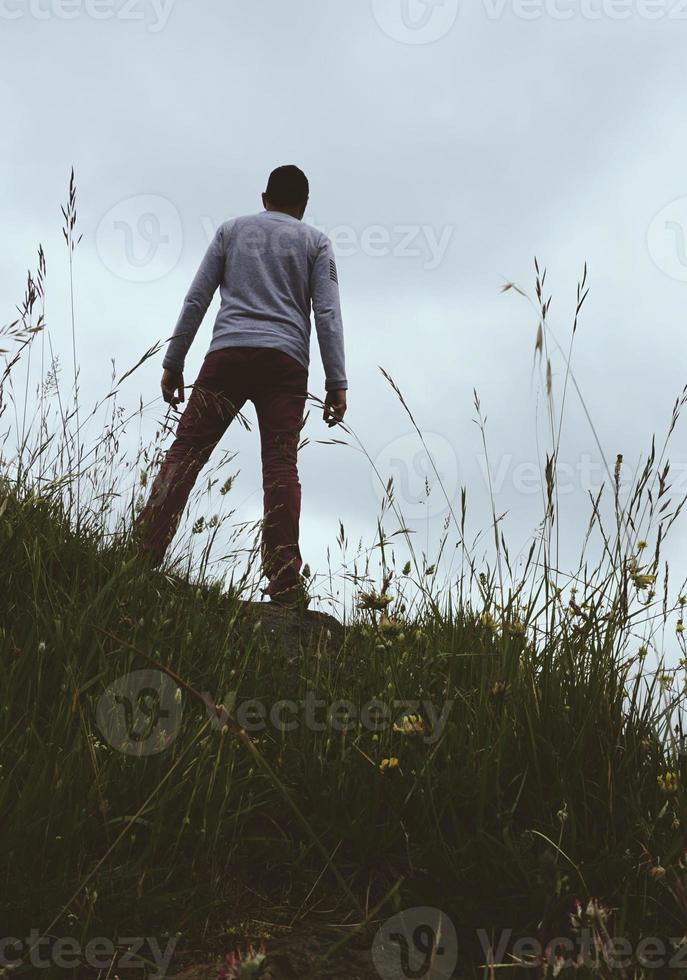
(334, 406)
(172, 385)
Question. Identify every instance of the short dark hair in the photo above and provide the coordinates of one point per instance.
(287, 186)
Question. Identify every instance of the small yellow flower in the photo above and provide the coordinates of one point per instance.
(680, 628)
(488, 620)
(411, 725)
(388, 763)
(658, 871)
(643, 581)
(669, 782)
(641, 545)
(642, 652)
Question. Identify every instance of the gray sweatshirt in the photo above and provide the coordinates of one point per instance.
(271, 269)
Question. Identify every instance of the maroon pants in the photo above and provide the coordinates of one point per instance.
(277, 385)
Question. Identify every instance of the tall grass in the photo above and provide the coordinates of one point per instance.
(557, 776)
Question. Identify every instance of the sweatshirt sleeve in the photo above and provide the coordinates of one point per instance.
(324, 290)
(198, 298)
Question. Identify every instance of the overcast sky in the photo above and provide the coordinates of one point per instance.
(445, 149)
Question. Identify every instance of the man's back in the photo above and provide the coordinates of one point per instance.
(267, 275)
(271, 269)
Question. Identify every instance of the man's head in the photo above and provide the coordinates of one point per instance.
(287, 191)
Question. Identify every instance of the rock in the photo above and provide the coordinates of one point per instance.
(306, 951)
(307, 629)
(205, 971)
(302, 955)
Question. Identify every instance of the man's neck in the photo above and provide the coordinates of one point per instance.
(291, 213)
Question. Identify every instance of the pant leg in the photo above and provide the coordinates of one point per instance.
(217, 396)
(279, 394)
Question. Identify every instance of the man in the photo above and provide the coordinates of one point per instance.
(271, 269)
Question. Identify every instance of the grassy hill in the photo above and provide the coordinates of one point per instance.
(541, 784)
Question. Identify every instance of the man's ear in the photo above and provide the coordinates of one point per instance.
(264, 200)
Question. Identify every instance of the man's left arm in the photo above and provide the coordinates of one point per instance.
(324, 290)
(205, 283)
